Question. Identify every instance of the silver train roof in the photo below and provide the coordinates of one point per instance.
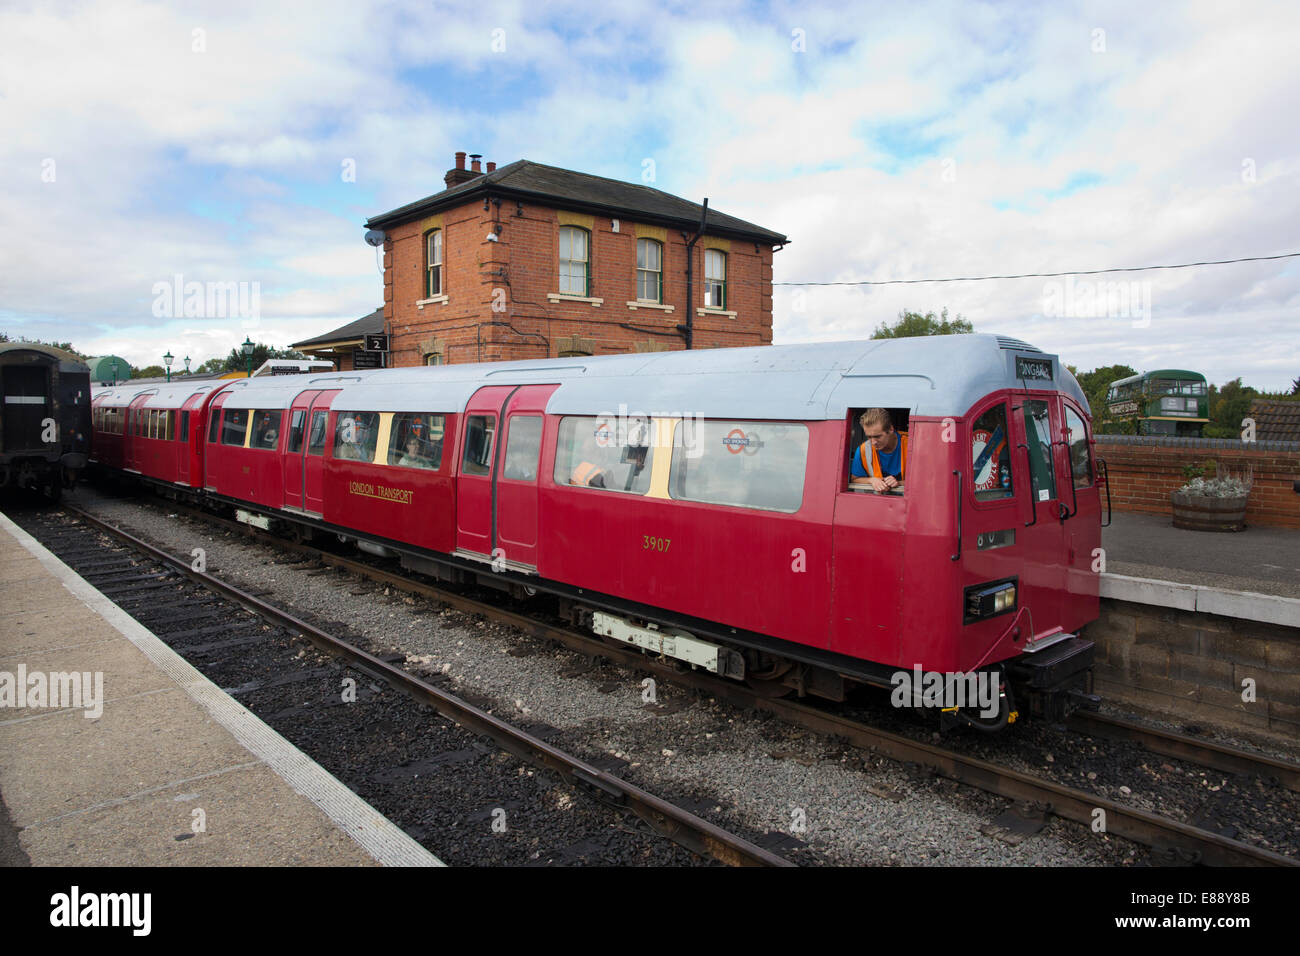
(931, 376)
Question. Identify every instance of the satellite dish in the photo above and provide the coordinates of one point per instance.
(375, 237)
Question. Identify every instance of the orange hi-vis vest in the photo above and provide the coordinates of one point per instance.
(873, 467)
(583, 474)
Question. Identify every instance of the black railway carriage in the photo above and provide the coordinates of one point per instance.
(45, 430)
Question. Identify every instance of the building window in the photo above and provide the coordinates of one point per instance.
(715, 279)
(433, 263)
(649, 271)
(433, 358)
(575, 261)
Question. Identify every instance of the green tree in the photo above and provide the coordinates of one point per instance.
(1228, 406)
(1095, 384)
(236, 362)
(66, 346)
(149, 371)
(911, 324)
(217, 364)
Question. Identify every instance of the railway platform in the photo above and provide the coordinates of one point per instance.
(1258, 560)
(115, 751)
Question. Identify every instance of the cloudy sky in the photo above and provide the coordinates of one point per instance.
(247, 142)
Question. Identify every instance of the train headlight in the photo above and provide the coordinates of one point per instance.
(989, 600)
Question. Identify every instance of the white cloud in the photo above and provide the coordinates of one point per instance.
(223, 165)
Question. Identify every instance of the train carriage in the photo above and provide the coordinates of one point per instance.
(705, 497)
(45, 424)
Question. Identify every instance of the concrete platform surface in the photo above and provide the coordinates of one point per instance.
(149, 763)
(1262, 560)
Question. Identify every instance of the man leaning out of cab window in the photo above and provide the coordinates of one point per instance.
(881, 461)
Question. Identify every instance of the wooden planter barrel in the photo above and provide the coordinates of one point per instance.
(1199, 513)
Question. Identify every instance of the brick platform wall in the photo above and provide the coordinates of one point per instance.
(1190, 666)
(1144, 470)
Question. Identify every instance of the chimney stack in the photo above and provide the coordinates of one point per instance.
(491, 167)
(460, 174)
(474, 163)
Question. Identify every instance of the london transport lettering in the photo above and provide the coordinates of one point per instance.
(382, 492)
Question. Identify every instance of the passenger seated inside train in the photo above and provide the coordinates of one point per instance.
(265, 432)
(879, 463)
(356, 435)
(413, 458)
(416, 441)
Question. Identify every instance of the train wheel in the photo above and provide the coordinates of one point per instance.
(765, 674)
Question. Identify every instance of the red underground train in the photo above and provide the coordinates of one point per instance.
(699, 504)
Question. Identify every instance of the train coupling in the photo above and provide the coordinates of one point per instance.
(1057, 680)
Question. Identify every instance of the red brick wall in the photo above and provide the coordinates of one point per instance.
(524, 266)
(1143, 475)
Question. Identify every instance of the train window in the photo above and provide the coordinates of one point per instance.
(864, 458)
(296, 422)
(185, 426)
(1038, 429)
(415, 440)
(479, 430)
(748, 464)
(214, 425)
(990, 453)
(316, 441)
(234, 425)
(523, 448)
(356, 435)
(1080, 454)
(614, 453)
(266, 428)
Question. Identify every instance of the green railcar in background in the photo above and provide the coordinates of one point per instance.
(1168, 401)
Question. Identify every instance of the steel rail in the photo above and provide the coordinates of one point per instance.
(1170, 743)
(681, 826)
(1180, 841)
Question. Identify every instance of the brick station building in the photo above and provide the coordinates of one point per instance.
(532, 261)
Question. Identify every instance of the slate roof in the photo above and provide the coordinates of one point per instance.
(374, 322)
(550, 185)
(1276, 421)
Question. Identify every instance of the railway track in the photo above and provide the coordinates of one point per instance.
(146, 582)
(1172, 840)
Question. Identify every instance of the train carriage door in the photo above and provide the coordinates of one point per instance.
(26, 406)
(1042, 580)
(313, 452)
(516, 485)
(212, 456)
(1083, 525)
(477, 473)
(295, 452)
(135, 432)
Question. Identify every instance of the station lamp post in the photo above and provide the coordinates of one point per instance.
(248, 354)
(187, 365)
(167, 361)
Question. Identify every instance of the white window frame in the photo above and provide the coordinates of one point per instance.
(714, 257)
(658, 273)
